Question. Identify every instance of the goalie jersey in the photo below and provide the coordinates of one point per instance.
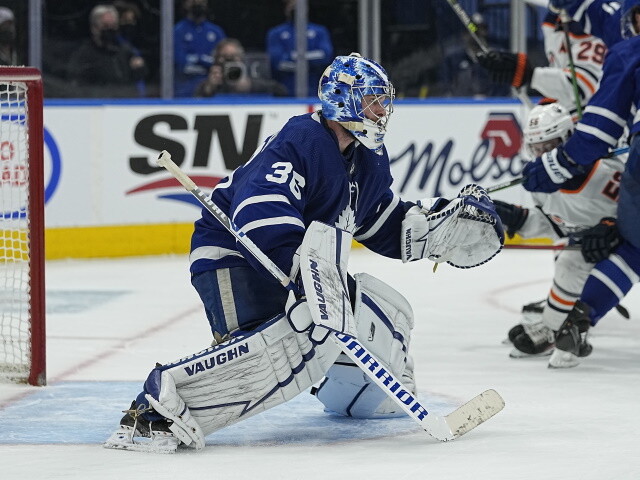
(299, 175)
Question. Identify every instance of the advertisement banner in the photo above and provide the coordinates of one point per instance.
(101, 159)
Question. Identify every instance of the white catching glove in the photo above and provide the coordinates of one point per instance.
(465, 232)
(301, 320)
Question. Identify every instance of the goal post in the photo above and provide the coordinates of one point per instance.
(22, 289)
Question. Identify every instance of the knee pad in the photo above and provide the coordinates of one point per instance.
(384, 320)
(241, 377)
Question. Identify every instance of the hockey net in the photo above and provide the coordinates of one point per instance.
(22, 333)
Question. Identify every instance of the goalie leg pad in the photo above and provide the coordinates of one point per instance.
(384, 320)
(242, 377)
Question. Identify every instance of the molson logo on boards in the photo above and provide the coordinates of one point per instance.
(14, 165)
(206, 128)
(429, 168)
(431, 171)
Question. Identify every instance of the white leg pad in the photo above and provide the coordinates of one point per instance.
(384, 320)
(170, 405)
(242, 377)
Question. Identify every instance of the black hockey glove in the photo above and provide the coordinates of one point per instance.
(600, 240)
(507, 67)
(512, 216)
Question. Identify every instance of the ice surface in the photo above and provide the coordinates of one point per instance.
(109, 321)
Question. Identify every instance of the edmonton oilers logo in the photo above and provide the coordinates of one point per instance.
(14, 176)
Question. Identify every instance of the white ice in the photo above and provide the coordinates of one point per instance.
(109, 321)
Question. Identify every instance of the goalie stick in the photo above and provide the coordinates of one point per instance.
(519, 180)
(443, 428)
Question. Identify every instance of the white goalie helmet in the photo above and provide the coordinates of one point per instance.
(547, 127)
(342, 89)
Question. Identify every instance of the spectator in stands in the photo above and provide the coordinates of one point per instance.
(8, 55)
(229, 74)
(129, 14)
(281, 46)
(194, 40)
(103, 66)
(128, 33)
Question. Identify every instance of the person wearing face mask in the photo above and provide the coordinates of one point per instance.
(103, 66)
(8, 54)
(281, 47)
(194, 39)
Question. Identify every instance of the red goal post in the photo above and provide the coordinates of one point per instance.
(22, 289)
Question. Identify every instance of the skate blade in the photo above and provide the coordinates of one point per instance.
(561, 359)
(122, 439)
(515, 353)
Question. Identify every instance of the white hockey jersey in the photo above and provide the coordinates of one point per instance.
(578, 207)
(555, 81)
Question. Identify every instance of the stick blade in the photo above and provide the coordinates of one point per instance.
(476, 411)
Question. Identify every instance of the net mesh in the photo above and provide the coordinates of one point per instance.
(15, 355)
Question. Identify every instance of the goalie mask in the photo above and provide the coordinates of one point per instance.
(349, 87)
(629, 23)
(547, 127)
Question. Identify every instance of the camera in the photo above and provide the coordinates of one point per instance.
(234, 71)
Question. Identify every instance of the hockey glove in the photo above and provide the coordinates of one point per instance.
(547, 173)
(512, 216)
(466, 233)
(301, 320)
(507, 67)
(600, 240)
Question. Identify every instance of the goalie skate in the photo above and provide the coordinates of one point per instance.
(155, 437)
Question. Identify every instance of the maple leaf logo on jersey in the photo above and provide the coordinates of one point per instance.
(347, 220)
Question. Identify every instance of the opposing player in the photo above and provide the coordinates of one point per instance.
(569, 213)
(329, 166)
(613, 106)
(554, 81)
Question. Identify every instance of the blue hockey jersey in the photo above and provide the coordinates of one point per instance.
(298, 176)
(193, 49)
(613, 105)
(600, 18)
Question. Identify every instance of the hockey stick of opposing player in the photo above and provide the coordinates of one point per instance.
(449, 427)
(472, 29)
(519, 180)
(564, 20)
